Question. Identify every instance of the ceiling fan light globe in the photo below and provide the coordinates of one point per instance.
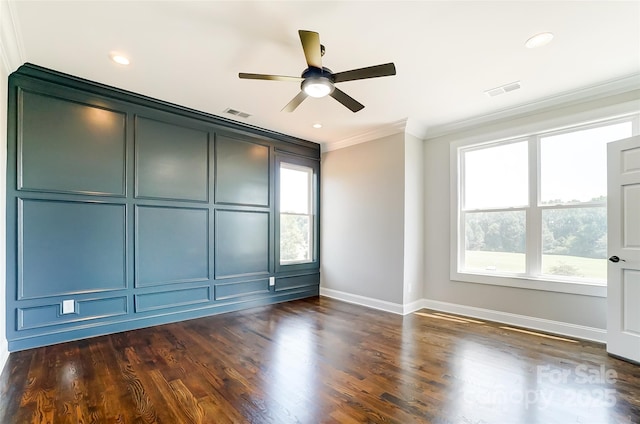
(317, 87)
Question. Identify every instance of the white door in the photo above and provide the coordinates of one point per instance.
(623, 219)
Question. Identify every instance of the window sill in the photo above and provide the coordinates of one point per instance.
(531, 283)
(301, 262)
(297, 266)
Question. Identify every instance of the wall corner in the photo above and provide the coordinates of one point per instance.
(413, 274)
(11, 58)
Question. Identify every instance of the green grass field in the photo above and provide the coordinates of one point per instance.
(515, 262)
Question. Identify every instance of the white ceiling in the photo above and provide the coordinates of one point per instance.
(447, 54)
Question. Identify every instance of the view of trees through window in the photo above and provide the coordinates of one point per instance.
(569, 221)
(495, 241)
(574, 242)
(294, 238)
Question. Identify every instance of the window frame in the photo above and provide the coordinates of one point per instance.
(532, 278)
(310, 215)
(314, 200)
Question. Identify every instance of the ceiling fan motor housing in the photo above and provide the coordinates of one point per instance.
(317, 82)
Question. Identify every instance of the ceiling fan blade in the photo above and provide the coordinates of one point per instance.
(311, 46)
(269, 77)
(385, 70)
(295, 102)
(347, 100)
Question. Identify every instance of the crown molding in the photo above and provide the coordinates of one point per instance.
(373, 134)
(568, 98)
(416, 128)
(11, 46)
(419, 129)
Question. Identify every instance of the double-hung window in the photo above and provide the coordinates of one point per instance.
(297, 213)
(533, 210)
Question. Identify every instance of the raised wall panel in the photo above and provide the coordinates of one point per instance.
(70, 147)
(242, 172)
(171, 299)
(239, 289)
(297, 281)
(171, 245)
(242, 243)
(171, 161)
(70, 247)
(47, 315)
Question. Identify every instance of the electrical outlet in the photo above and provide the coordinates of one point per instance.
(68, 306)
(272, 281)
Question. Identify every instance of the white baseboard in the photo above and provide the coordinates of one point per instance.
(369, 302)
(540, 324)
(4, 354)
(409, 308)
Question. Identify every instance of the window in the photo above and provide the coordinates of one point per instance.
(573, 200)
(534, 208)
(296, 214)
(495, 199)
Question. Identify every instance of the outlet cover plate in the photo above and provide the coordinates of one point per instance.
(68, 306)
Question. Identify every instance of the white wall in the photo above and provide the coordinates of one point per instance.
(573, 309)
(363, 220)
(373, 223)
(4, 352)
(10, 59)
(4, 71)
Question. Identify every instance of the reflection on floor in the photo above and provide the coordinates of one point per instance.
(322, 361)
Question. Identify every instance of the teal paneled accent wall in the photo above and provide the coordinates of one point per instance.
(69, 147)
(171, 245)
(125, 212)
(242, 172)
(242, 245)
(67, 247)
(172, 162)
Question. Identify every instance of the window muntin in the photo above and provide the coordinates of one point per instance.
(296, 214)
(564, 232)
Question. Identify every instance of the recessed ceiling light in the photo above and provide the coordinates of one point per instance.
(120, 59)
(539, 40)
(317, 125)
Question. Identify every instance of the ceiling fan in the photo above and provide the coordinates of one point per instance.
(318, 81)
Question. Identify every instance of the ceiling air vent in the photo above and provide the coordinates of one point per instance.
(503, 89)
(235, 112)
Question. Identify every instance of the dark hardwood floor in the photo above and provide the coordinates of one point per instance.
(321, 361)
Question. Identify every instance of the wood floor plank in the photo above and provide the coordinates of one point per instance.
(12, 390)
(320, 361)
(105, 388)
(37, 401)
(145, 409)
